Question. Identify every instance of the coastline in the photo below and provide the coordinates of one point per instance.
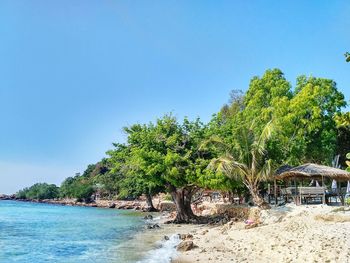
(290, 233)
(147, 239)
(310, 233)
(138, 205)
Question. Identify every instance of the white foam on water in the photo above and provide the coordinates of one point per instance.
(164, 253)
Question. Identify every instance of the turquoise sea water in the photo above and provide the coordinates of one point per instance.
(36, 233)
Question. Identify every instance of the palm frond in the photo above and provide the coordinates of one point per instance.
(265, 171)
(260, 144)
(228, 166)
(215, 141)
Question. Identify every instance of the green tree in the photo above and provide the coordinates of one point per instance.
(39, 191)
(348, 161)
(310, 123)
(304, 125)
(347, 57)
(247, 160)
(343, 136)
(80, 187)
(168, 153)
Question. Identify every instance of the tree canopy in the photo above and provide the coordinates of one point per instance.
(271, 124)
(39, 191)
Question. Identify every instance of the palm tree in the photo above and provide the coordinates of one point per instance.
(246, 160)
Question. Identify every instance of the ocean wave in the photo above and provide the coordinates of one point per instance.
(165, 251)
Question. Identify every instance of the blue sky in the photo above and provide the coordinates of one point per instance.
(73, 73)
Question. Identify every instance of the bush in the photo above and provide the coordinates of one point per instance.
(39, 191)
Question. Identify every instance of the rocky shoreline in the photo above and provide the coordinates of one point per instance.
(138, 205)
(7, 197)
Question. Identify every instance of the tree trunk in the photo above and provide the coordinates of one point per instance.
(182, 199)
(231, 197)
(257, 198)
(150, 208)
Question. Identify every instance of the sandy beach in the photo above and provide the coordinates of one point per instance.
(292, 233)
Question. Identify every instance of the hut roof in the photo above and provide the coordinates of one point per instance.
(314, 171)
(283, 169)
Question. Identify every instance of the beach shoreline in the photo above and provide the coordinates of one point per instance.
(290, 233)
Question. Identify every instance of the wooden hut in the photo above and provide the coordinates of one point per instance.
(312, 171)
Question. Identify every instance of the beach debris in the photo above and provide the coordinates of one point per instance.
(249, 222)
(232, 211)
(112, 205)
(185, 236)
(204, 232)
(154, 226)
(148, 217)
(166, 238)
(186, 245)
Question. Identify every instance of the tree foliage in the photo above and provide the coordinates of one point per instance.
(247, 160)
(173, 156)
(303, 117)
(348, 161)
(39, 191)
(167, 155)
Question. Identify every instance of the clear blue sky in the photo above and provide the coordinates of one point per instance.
(73, 73)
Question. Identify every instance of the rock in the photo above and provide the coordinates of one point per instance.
(148, 217)
(155, 226)
(185, 236)
(185, 246)
(166, 238)
(111, 205)
(224, 221)
(8, 197)
(204, 232)
(167, 206)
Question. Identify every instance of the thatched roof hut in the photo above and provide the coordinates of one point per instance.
(313, 171)
(282, 169)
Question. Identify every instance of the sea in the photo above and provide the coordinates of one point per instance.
(38, 233)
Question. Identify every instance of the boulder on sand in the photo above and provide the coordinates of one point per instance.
(185, 246)
(155, 226)
(148, 217)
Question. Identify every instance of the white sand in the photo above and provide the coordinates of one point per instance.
(286, 234)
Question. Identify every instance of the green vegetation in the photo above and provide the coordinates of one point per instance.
(39, 191)
(271, 124)
(167, 154)
(247, 160)
(347, 57)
